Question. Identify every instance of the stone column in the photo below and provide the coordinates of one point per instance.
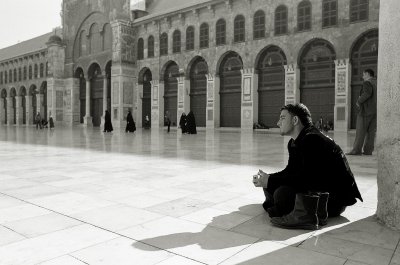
(183, 97)
(213, 104)
(29, 110)
(104, 98)
(87, 120)
(123, 71)
(292, 84)
(2, 112)
(72, 102)
(157, 104)
(39, 104)
(10, 111)
(18, 110)
(249, 99)
(139, 105)
(388, 143)
(342, 95)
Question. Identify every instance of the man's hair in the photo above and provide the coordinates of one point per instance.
(300, 110)
(370, 72)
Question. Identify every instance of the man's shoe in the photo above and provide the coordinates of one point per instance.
(353, 153)
(303, 216)
(322, 211)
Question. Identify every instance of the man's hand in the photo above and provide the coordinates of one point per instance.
(261, 179)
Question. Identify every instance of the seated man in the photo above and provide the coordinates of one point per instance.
(317, 181)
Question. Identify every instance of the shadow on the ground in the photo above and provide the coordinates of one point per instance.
(211, 237)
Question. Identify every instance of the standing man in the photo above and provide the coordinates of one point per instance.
(366, 117)
(317, 180)
(38, 120)
(167, 120)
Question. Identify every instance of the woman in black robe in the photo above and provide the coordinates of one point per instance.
(107, 122)
(191, 123)
(130, 123)
(182, 122)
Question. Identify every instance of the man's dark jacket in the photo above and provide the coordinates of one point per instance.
(317, 163)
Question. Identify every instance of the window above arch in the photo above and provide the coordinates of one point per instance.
(329, 13)
(281, 20)
(176, 41)
(358, 10)
(164, 44)
(204, 36)
(140, 49)
(259, 25)
(304, 16)
(150, 47)
(239, 29)
(190, 38)
(220, 32)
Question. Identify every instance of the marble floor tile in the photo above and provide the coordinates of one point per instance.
(368, 254)
(179, 207)
(49, 246)
(121, 251)
(20, 212)
(116, 217)
(178, 260)
(40, 225)
(64, 260)
(8, 236)
(396, 257)
(7, 201)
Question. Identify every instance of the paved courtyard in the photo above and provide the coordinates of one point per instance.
(77, 196)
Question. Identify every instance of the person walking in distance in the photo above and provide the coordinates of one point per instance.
(366, 117)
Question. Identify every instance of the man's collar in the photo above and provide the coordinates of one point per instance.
(302, 133)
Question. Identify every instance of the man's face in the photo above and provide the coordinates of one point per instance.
(285, 123)
(366, 76)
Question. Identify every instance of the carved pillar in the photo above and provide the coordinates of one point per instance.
(39, 104)
(10, 111)
(388, 147)
(213, 103)
(104, 97)
(157, 104)
(292, 84)
(342, 95)
(123, 72)
(72, 101)
(249, 108)
(87, 120)
(183, 97)
(18, 110)
(139, 105)
(29, 110)
(2, 112)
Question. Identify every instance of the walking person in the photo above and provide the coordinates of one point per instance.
(167, 120)
(51, 122)
(191, 123)
(38, 120)
(107, 122)
(182, 123)
(130, 123)
(366, 117)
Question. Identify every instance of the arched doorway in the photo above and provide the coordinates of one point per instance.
(146, 99)
(23, 104)
(317, 79)
(170, 91)
(13, 94)
(82, 93)
(198, 91)
(96, 94)
(271, 85)
(230, 90)
(364, 55)
(43, 91)
(3, 97)
(33, 92)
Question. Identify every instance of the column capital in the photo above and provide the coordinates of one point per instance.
(291, 67)
(248, 71)
(154, 82)
(342, 62)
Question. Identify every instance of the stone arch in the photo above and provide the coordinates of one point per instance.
(3, 104)
(271, 84)
(107, 37)
(33, 91)
(23, 94)
(43, 91)
(96, 93)
(95, 40)
(363, 55)
(230, 89)
(13, 94)
(80, 74)
(317, 78)
(145, 77)
(198, 72)
(170, 78)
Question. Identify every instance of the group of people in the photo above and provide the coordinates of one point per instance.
(130, 123)
(42, 123)
(187, 123)
(317, 182)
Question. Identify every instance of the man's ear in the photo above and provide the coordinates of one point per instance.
(295, 120)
